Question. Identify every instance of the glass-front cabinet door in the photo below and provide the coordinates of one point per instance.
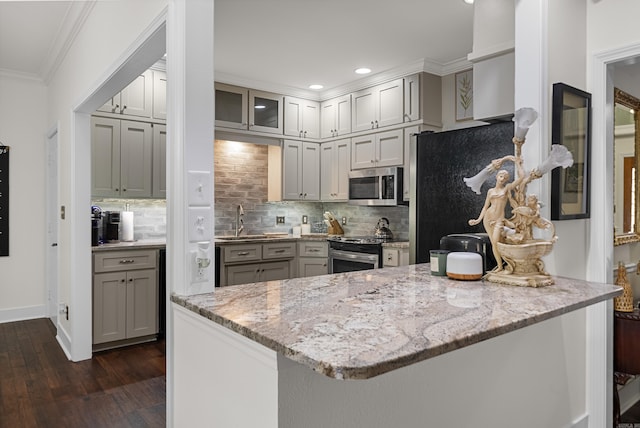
(265, 112)
(232, 109)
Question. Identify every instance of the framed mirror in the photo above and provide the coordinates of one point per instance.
(571, 127)
(626, 150)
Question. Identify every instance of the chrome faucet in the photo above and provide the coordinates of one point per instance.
(239, 221)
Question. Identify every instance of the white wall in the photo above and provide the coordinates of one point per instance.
(23, 125)
(109, 30)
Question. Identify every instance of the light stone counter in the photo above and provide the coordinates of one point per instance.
(359, 325)
(142, 244)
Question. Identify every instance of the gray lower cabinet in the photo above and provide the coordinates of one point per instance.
(313, 258)
(270, 271)
(125, 296)
(252, 262)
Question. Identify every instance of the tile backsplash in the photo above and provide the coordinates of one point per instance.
(241, 177)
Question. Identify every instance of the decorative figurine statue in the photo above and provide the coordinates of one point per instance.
(517, 253)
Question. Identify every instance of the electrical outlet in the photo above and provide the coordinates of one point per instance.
(279, 219)
(305, 219)
(344, 221)
(66, 312)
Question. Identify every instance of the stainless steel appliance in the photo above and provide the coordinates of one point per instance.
(355, 253)
(96, 225)
(376, 187)
(111, 223)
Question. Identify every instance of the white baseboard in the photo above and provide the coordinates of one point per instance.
(64, 340)
(21, 314)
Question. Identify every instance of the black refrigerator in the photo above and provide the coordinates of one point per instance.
(442, 203)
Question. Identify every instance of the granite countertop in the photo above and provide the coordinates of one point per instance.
(250, 239)
(132, 245)
(358, 325)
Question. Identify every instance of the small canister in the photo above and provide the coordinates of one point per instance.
(438, 261)
(466, 266)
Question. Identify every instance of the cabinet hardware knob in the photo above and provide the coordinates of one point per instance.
(299, 133)
(376, 123)
(124, 190)
(130, 279)
(122, 280)
(123, 109)
(115, 107)
(305, 134)
(117, 189)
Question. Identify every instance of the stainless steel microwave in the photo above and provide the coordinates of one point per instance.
(376, 187)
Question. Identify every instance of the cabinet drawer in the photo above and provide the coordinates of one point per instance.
(390, 258)
(313, 249)
(113, 261)
(240, 253)
(279, 250)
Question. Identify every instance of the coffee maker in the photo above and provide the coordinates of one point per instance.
(111, 223)
(96, 226)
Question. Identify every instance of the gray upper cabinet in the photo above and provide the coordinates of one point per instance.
(159, 95)
(301, 118)
(301, 171)
(378, 106)
(335, 117)
(247, 109)
(134, 100)
(121, 158)
(159, 170)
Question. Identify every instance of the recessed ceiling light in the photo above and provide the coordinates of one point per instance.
(363, 70)
(315, 86)
(468, 1)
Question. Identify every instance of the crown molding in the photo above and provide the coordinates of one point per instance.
(19, 75)
(417, 66)
(74, 19)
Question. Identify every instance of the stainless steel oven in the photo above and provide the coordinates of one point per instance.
(352, 254)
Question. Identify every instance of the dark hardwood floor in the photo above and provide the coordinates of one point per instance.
(39, 387)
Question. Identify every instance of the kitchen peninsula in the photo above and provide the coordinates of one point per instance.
(391, 347)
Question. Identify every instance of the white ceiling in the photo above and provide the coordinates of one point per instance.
(275, 43)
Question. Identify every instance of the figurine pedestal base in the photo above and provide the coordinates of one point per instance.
(523, 265)
(522, 280)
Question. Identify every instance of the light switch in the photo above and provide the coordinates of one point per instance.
(200, 224)
(199, 188)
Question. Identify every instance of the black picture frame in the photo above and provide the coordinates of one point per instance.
(571, 127)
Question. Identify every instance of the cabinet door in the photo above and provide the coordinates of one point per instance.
(412, 98)
(310, 119)
(293, 108)
(265, 112)
(390, 148)
(142, 303)
(137, 97)
(335, 117)
(105, 157)
(273, 271)
(291, 170)
(109, 307)
(159, 161)
(363, 113)
(159, 95)
(136, 159)
(328, 110)
(232, 106)
(363, 151)
(390, 103)
(242, 274)
(341, 168)
(326, 172)
(311, 171)
(343, 115)
(112, 105)
(390, 257)
(312, 266)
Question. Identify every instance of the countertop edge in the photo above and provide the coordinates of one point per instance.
(366, 372)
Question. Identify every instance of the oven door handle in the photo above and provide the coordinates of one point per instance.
(353, 256)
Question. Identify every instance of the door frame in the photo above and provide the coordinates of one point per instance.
(52, 224)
